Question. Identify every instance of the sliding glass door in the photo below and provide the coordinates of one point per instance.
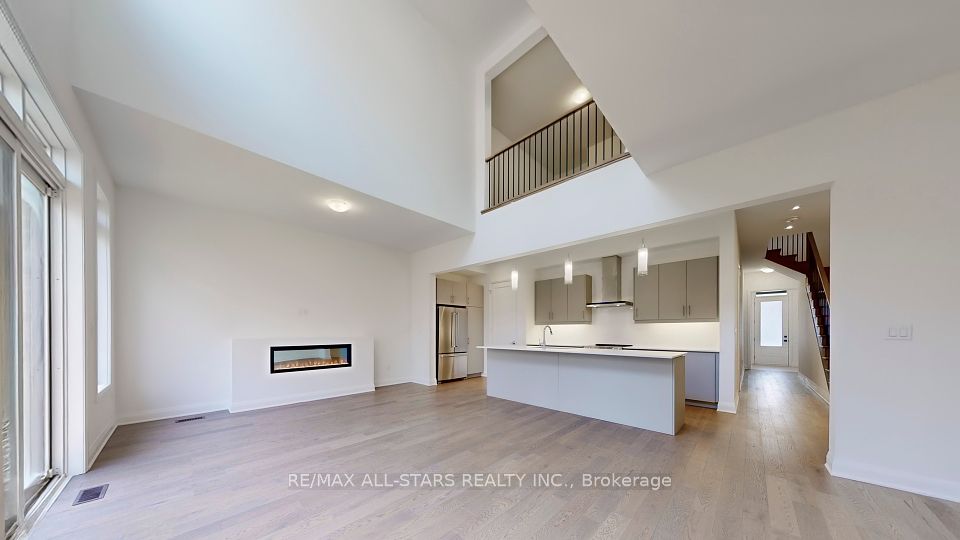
(25, 335)
(9, 347)
(35, 332)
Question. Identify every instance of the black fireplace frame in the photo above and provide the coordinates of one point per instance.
(347, 346)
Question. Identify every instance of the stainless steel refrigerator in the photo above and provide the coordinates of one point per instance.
(451, 343)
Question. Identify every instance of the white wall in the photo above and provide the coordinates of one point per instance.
(192, 278)
(47, 29)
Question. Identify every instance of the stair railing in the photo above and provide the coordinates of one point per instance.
(817, 267)
(576, 143)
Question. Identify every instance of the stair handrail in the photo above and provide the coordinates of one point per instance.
(813, 255)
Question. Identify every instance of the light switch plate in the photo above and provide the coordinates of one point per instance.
(902, 332)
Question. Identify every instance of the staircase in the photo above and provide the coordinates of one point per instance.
(799, 253)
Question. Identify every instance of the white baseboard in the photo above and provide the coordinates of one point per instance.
(727, 407)
(813, 388)
(391, 382)
(254, 404)
(101, 442)
(927, 486)
(164, 413)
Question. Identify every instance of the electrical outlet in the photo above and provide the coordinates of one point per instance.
(903, 332)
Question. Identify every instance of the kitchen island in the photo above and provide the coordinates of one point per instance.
(638, 388)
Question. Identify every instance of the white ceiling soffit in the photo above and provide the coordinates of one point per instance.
(150, 153)
(476, 27)
(534, 91)
(679, 80)
(368, 94)
(756, 225)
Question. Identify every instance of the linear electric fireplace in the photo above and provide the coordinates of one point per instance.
(307, 357)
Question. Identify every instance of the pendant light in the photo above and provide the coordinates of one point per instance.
(514, 279)
(643, 257)
(568, 270)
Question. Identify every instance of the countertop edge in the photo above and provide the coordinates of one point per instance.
(634, 353)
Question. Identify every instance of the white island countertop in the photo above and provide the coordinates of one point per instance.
(665, 355)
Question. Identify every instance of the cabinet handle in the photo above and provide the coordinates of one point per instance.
(689, 311)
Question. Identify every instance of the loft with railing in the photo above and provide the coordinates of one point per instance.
(576, 143)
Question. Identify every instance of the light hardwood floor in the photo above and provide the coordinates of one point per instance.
(757, 474)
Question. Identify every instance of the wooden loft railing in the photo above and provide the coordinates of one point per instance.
(578, 142)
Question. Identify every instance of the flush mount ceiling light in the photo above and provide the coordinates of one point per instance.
(338, 205)
(580, 96)
(766, 270)
(791, 219)
(796, 207)
(643, 259)
(568, 270)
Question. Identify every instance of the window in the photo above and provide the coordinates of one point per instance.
(104, 305)
(771, 323)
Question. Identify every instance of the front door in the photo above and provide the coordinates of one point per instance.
(771, 330)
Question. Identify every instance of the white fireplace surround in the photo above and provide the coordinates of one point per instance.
(254, 387)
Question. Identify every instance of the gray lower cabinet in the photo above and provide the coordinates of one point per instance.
(558, 303)
(701, 377)
(678, 291)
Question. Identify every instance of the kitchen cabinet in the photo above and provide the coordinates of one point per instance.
(673, 291)
(702, 280)
(678, 291)
(543, 296)
(558, 300)
(558, 303)
(646, 295)
(579, 294)
(474, 340)
(701, 377)
(451, 292)
(474, 295)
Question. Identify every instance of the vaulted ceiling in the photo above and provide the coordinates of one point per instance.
(680, 80)
(371, 97)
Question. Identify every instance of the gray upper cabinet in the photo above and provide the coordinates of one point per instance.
(451, 292)
(579, 294)
(543, 297)
(556, 302)
(646, 295)
(702, 295)
(474, 295)
(673, 291)
(678, 291)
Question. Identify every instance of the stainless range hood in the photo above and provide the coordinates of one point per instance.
(610, 293)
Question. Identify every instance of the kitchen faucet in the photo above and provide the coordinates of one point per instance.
(543, 338)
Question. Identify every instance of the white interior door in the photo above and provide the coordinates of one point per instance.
(771, 330)
(503, 314)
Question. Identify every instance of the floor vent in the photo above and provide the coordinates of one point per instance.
(188, 419)
(91, 494)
